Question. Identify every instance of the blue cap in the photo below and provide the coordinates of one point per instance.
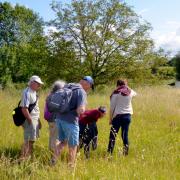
(90, 80)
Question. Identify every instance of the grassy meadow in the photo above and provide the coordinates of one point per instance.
(154, 141)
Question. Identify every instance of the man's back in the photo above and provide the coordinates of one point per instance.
(78, 99)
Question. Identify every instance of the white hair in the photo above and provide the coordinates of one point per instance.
(59, 84)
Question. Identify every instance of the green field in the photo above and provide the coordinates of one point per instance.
(154, 142)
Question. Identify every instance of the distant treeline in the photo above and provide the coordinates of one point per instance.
(104, 38)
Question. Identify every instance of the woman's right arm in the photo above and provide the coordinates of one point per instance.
(133, 93)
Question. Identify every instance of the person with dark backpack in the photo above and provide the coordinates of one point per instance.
(73, 99)
(18, 116)
(32, 123)
(50, 117)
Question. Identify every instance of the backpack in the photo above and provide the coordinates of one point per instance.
(59, 101)
(18, 116)
(49, 116)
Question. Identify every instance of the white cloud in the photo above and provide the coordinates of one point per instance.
(168, 37)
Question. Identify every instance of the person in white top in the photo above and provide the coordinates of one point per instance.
(32, 123)
(120, 114)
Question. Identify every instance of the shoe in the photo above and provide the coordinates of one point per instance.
(111, 146)
(125, 150)
(80, 143)
(87, 151)
(94, 144)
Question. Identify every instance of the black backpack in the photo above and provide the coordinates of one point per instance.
(18, 116)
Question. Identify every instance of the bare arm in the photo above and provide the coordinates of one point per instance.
(81, 109)
(26, 114)
(40, 124)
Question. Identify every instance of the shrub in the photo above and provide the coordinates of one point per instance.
(166, 72)
(177, 65)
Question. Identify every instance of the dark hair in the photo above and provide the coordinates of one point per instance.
(121, 82)
(102, 109)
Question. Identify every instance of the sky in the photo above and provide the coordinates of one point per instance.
(164, 17)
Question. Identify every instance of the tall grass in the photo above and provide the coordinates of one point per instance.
(154, 142)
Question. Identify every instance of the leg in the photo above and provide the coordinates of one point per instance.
(60, 147)
(87, 141)
(94, 137)
(58, 144)
(31, 133)
(87, 150)
(27, 150)
(72, 136)
(113, 132)
(72, 156)
(31, 148)
(57, 152)
(81, 134)
(53, 139)
(23, 151)
(124, 134)
(94, 143)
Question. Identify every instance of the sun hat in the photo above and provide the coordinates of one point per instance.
(35, 79)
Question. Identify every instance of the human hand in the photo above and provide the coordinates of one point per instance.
(110, 121)
(40, 125)
(29, 121)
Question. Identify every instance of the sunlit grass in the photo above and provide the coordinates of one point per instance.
(154, 141)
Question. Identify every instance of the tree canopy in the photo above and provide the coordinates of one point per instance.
(107, 35)
(103, 38)
(176, 62)
(22, 43)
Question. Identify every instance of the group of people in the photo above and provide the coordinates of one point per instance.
(77, 127)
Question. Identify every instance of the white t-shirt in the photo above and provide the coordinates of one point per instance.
(121, 104)
(29, 97)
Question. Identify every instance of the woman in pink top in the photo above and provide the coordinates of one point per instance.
(120, 114)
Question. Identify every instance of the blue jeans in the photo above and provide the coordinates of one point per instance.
(123, 121)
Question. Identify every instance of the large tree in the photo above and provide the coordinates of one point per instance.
(107, 35)
(62, 62)
(22, 43)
